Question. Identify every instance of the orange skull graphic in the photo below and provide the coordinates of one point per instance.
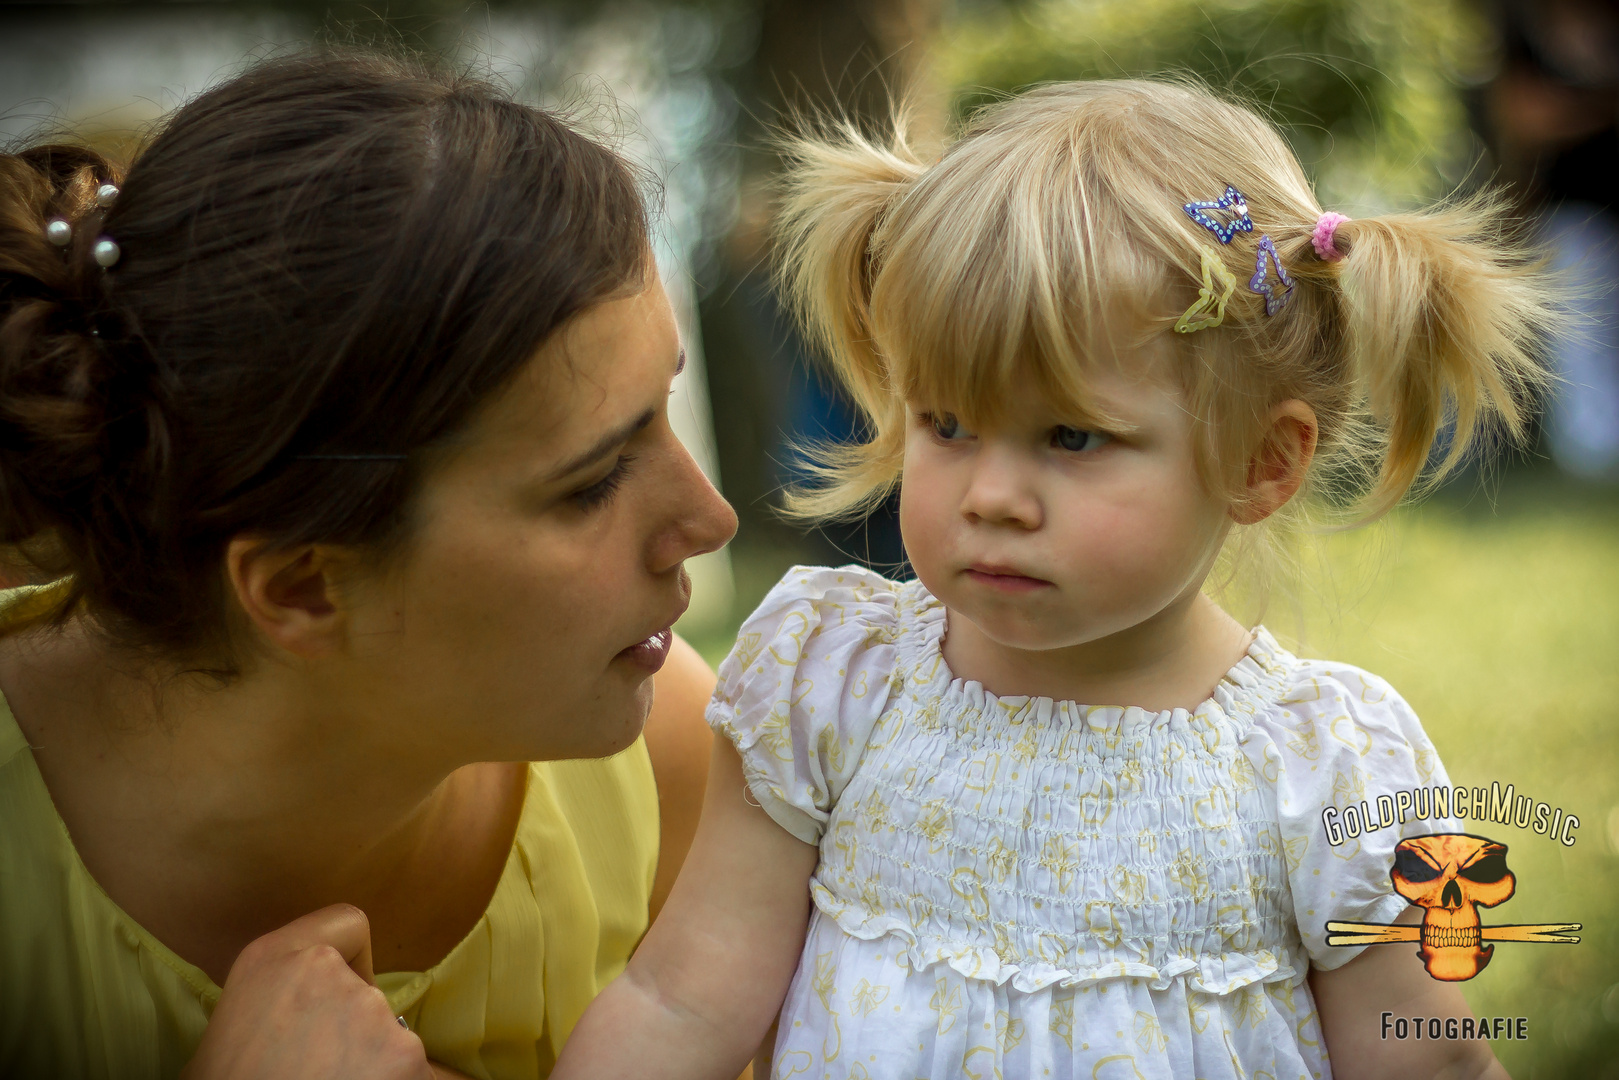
(1451, 876)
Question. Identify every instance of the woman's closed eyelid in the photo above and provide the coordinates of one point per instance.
(602, 491)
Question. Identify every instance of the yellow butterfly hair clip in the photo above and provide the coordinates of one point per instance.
(1209, 308)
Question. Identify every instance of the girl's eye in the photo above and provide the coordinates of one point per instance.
(602, 491)
(946, 426)
(1078, 439)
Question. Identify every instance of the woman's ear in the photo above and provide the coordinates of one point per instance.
(1279, 464)
(288, 593)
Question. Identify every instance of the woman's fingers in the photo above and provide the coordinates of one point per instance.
(343, 927)
(298, 1005)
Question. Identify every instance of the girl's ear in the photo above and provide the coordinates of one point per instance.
(289, 594)
(1279, 464)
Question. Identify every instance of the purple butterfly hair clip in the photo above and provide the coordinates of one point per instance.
(1278, 289)
(1233, 201)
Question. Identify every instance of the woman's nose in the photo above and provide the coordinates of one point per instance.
(1000, 490)
(700, 519)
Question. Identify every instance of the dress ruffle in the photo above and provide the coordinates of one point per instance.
(795, 762)
(1218, 974)
(1256, 681)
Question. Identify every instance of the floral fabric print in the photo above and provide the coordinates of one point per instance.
(1022, 887)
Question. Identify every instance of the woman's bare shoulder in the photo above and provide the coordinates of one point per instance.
(678, 740)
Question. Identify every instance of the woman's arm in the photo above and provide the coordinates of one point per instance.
(679, 742)
(1352, 999)
(708, 980)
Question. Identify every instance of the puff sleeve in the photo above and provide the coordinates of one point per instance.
(1342, 739)
(798, 695)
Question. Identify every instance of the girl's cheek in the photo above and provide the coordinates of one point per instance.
(924, 504)
(1130, 518)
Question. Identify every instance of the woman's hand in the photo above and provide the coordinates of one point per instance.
(299, 1003)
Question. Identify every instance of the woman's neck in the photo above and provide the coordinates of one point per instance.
(212, 815)
(1173, 660)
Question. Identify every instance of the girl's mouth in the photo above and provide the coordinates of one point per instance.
(1004, 579)
(650, 654)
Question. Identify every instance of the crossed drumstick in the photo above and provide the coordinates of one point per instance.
(1358, 933)
(1451, 876)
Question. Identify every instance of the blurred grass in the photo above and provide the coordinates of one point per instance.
(1497, 618)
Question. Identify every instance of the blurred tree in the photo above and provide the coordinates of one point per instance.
(843, 57)
(726, 70)
(1368, 91)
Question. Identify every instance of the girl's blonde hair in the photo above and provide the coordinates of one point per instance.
(1052, 232)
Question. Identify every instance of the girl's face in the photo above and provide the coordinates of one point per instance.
(1046, 533)
(532, 605)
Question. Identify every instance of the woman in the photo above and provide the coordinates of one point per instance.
(339, 425)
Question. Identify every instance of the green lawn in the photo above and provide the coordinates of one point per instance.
(1497, 618)
(1500, 625)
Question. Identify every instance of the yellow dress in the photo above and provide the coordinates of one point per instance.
(86, 992)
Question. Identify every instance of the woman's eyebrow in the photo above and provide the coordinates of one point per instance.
(602, 447)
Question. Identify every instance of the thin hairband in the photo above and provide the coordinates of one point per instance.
(352, 457)
(1321, 239)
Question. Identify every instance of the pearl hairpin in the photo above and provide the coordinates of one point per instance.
(59, 232)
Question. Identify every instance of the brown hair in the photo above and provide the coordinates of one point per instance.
(327, 263)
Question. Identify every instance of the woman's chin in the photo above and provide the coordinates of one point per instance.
(616, 729)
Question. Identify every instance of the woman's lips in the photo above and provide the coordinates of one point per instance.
(650, 654)
(1003, 579)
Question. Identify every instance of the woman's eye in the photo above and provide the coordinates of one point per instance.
(946, 426)
(602, 491)
(1078, 439)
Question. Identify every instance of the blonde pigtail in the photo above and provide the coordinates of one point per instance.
(835, 193)
(1442, 315)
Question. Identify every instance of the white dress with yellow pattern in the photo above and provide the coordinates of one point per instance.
(1021, 887)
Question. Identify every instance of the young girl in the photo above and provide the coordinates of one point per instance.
(1106, 334)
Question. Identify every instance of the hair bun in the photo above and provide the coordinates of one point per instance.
(69, 382)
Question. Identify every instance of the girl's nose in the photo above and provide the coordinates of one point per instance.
(1001, 491)
(700, 520)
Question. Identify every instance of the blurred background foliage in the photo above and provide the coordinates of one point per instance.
(1370, 92)
(1493, 612)
(1493, 607)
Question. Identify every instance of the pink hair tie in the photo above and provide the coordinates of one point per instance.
(1321, 238)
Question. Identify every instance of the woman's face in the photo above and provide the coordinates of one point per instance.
(533, 604)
